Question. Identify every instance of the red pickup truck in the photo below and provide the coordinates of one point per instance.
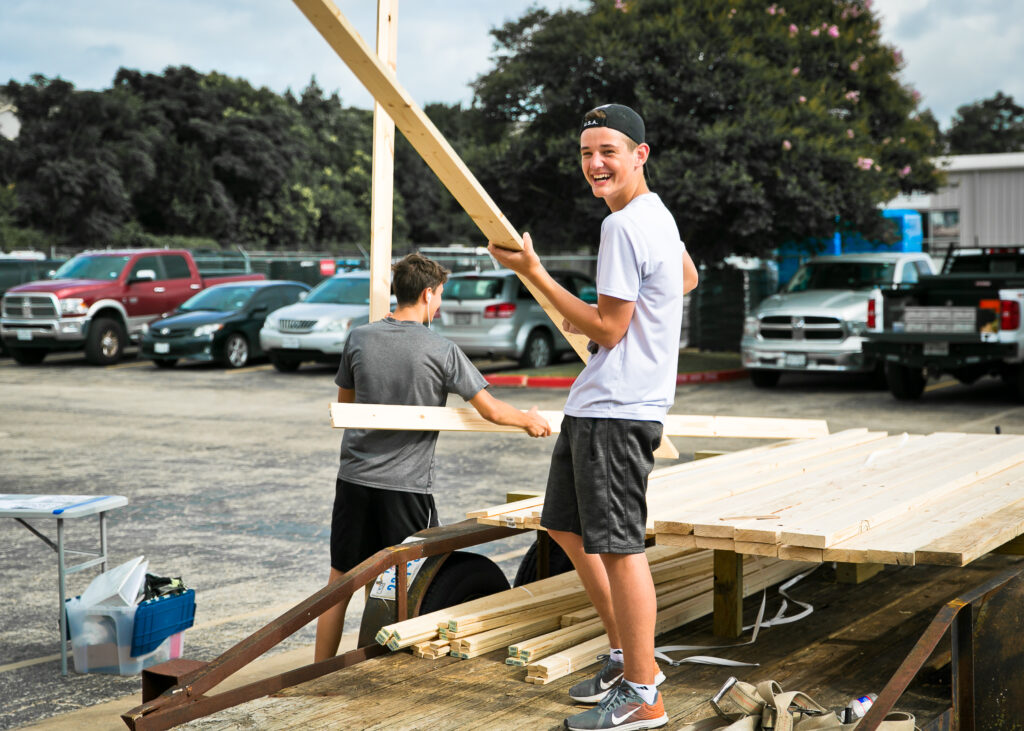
(99, 301)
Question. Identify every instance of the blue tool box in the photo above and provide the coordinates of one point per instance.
(159, 618)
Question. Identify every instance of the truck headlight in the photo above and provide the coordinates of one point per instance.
(858, 328)
(204, 330)
(73, 306)
(750, 327)
(334, 326)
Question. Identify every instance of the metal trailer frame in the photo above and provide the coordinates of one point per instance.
(175, 692)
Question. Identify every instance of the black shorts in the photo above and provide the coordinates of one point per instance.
(367, 519)
(597, 482)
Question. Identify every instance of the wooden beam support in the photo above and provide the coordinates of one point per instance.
(728, 594)
(856, 573)
(382, 179)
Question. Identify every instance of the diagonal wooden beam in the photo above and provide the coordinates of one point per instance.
(382, 178)
(425, 138)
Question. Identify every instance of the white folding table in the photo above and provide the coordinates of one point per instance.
(60, 507)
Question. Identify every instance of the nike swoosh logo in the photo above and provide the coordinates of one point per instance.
(616, 720)
(605, 686)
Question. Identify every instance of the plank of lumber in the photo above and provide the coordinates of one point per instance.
(975, 539)
(382, 174)
(909, 492)
(897, 541)
(443, 418)
(425, 138)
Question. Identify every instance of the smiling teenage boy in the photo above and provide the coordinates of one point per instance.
(595, 506)
(383, 491)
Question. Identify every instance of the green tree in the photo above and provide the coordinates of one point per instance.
(989, 125)
(768, 122)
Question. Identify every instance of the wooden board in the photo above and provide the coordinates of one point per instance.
(443, 418)
(382, 177)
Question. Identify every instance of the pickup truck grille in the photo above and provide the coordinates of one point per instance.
(794, 327)
(296, 326)
(30, 306)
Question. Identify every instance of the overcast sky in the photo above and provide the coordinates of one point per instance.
(956, 51)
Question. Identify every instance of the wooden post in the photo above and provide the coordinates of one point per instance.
(383, 175)
(728, 594)
(856, 573)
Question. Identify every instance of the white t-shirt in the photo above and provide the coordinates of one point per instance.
(640, 259)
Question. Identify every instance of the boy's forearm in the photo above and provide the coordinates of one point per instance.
(589, 320)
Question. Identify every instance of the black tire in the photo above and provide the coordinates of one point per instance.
(165, 362)
(763, 378)
(538, 352)
(105, 342)
(27, 356)
(558, 563)
(462, 577)
(285, 363)
(877, 379)
(235, 353)
(905, 383)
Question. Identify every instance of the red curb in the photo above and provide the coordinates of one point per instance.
(567, 381)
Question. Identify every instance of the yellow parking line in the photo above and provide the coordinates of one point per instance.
(135, 364)
(250, 369)
(941, 384)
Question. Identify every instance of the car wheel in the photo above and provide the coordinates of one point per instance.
(236, 351)
(27, 356)
(165, 362)
(105, 342)
(906, 384)
(764, 378)
(538, 352)
(285, 363)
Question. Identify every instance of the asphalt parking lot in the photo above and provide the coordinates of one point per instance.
(230, 479)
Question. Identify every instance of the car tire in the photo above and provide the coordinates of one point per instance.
(165, 362)
(27, 356)
(558, 563)
(104, 344)
(763, 378)
(906, 384)
(235, 353)
(285, 363)
(462, 577)
(538, 352)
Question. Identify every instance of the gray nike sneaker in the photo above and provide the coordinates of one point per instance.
(621, 710)
(592, 690)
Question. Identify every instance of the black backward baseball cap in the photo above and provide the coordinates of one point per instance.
(618, 117)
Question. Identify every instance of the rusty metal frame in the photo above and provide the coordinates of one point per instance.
(957, 616)
(188, 701)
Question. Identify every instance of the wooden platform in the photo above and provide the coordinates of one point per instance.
(850, 645)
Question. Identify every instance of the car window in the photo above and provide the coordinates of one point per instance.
(147, 262)
(909, 273)
(176, 267)
(923, 270)
(841, 275)
(221, 299)
(342, 291)
(91, 267)
(586, 290)
(474, 288)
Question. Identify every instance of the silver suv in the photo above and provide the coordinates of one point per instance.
(492, 314)
(818, 322)
(317, 328)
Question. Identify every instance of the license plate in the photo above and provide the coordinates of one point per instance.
(796, 360)
(290, 343)
(936, 348)
(463, 318)
(161, 347)
(24, 335)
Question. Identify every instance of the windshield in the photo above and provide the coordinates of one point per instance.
(474, 288)
(221, 299)
(841, 275)
(341, 291)
(92, 267)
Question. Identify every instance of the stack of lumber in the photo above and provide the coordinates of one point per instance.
(550, 627)
(856, 496)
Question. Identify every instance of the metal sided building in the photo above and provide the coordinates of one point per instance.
(982, 203)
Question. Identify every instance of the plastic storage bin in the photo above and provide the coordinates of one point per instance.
(101, 640)
(160, 618)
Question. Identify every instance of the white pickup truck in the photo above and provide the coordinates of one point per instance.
(817, 323)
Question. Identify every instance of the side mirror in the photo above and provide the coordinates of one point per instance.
(143, 275)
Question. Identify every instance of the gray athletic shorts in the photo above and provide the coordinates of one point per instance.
(597, 482)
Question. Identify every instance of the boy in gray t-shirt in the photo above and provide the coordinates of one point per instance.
(383, 490)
